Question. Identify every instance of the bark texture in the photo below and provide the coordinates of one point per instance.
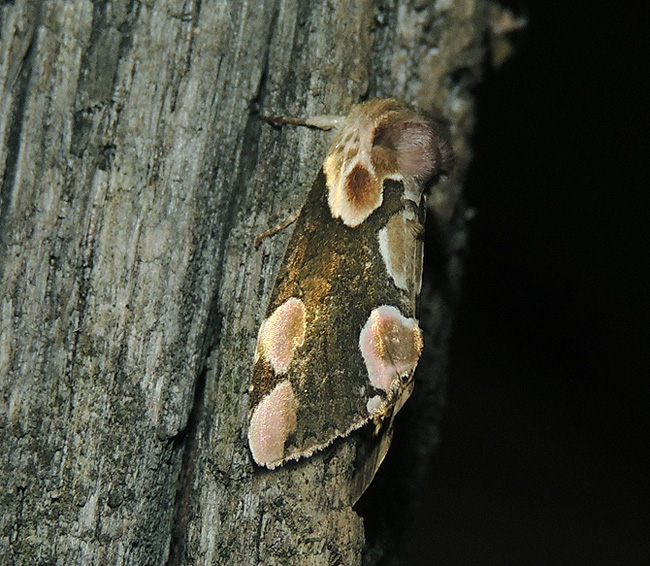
(135, 174)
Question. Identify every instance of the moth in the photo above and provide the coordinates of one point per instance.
(340, 339)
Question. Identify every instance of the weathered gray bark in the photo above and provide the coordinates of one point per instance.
(135, 175)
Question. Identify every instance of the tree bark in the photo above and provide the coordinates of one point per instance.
(136, 173)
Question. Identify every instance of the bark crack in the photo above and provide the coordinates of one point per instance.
(17, 120)
(186, 441)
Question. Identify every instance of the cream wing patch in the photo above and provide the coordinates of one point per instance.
(354, 191)
(400, 246)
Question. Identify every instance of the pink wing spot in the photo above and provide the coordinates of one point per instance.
(390, 345)
(273, 420)
(282, 333)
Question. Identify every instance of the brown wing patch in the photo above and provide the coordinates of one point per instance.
(362, 190)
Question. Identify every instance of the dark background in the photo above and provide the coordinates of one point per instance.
(546, 428)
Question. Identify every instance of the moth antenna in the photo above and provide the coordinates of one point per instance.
(326, 122)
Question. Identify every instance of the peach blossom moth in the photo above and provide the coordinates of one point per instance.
(340, 339)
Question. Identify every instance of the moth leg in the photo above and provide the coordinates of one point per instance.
(318, 122)
(288, 221)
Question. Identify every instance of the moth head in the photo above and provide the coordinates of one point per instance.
(381, 139)
(412, 143)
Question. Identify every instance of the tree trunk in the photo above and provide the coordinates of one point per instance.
(136, 173)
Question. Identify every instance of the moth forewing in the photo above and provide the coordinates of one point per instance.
(340, 339)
